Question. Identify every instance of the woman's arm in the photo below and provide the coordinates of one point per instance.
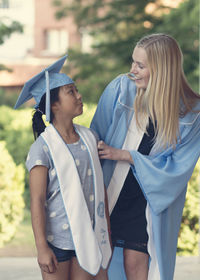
(38, 185)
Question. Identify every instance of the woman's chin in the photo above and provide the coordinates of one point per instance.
(140, 85)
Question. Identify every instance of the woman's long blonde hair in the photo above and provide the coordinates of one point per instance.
(168, 95)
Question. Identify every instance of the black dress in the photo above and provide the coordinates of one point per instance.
(128, 221)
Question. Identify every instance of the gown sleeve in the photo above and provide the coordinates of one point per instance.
(164, 177)
(104, 113)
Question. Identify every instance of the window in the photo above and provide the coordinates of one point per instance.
(86, 42)
(56, 40)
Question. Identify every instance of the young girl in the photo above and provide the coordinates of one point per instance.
(66, 183)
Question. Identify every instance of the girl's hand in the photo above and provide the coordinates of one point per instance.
(108, 152)
(47, 260)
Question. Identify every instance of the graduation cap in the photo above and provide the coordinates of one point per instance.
(42, 83)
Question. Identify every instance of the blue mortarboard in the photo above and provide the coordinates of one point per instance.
(42, 83)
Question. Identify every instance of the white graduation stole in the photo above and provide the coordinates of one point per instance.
(132, 141)
(91, 245)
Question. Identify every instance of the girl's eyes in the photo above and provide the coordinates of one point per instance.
(72, 91)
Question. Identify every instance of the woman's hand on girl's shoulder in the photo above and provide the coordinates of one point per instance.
(108, 152)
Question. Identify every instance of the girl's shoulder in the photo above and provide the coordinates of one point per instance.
(38, 145)
(38, 154)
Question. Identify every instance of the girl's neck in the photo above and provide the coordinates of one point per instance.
(67, 131)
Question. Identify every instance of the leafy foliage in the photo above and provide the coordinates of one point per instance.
(15, 130)
(189, 231)
(6, 29)
(186, 33)
(11, 190)
(115, 27)
(7, 98)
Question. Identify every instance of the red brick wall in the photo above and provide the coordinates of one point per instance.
(45, 19)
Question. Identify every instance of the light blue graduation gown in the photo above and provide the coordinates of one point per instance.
(162, 176)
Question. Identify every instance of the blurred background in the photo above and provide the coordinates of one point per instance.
(99, 37)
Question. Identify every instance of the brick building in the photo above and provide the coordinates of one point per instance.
(52, 37)
(44, 40)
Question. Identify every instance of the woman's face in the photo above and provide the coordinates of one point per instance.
(139, 68)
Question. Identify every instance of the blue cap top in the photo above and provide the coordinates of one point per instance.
(42, 83)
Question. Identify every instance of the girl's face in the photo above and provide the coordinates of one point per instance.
(70, 101)
(139, 68)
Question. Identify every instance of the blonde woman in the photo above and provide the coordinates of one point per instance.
(149, 125)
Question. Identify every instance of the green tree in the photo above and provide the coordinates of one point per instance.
(11, 190)
(16, 131)
(183, 24)
(8, 98)
(7, 27)
(189, 231)
(115, 26)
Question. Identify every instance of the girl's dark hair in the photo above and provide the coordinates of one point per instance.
(38, 124)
